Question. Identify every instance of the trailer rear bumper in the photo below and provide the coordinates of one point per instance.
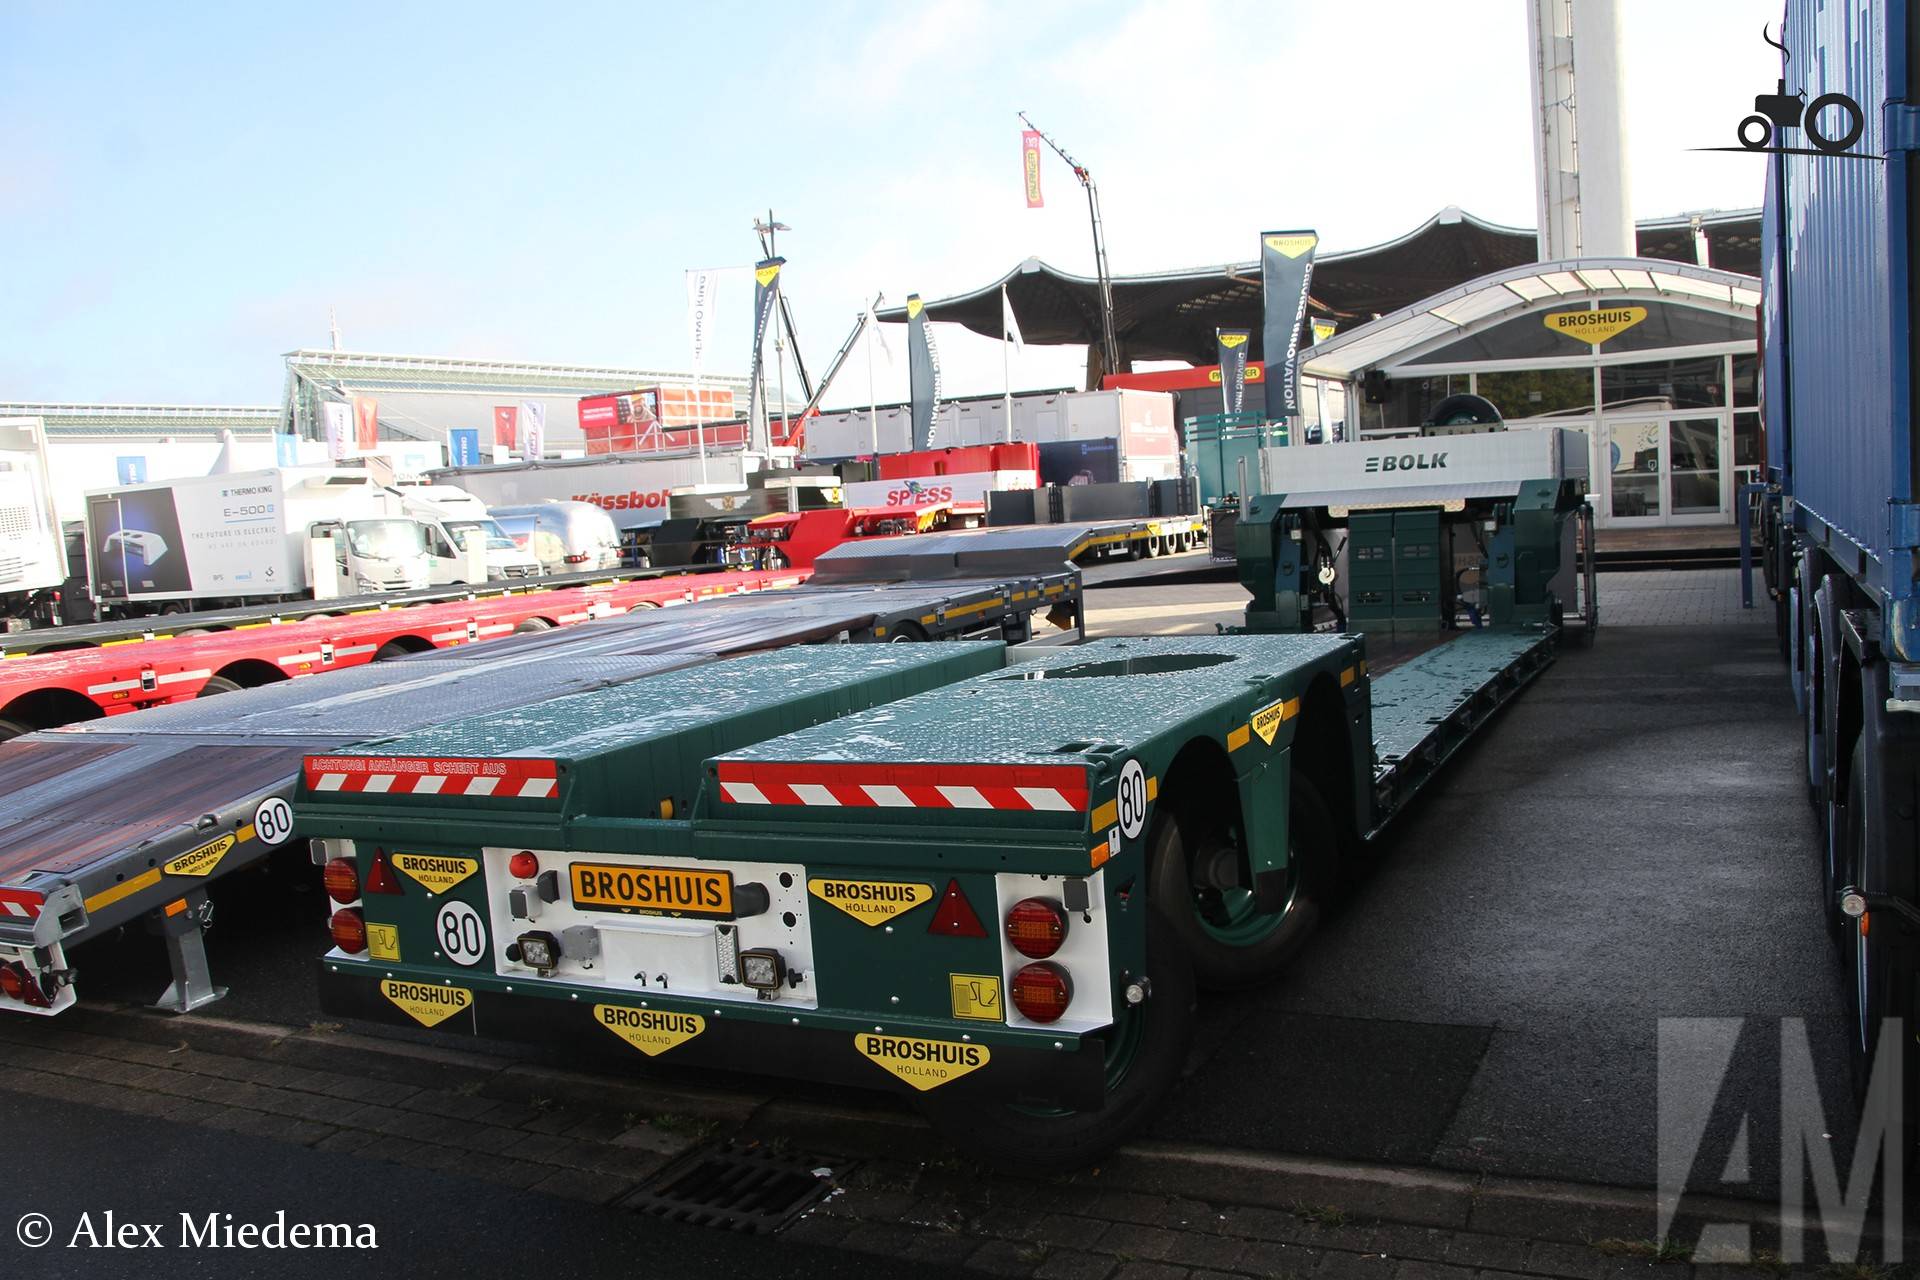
(781, 1042)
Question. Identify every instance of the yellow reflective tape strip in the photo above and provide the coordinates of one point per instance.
(1239, 738)
(1363, 666)
(175, 907)
(126, 888)
(1105, 814)
(1153, 790)
(1346, 677)
(1291, 709)
(147, 879)
(114, 644)
(926, 619)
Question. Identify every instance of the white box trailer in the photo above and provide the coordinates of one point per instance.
(244, 536)
(1140, 423)
(32, 553)
(632, 488)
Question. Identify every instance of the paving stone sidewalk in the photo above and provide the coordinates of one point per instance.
(597, 1138)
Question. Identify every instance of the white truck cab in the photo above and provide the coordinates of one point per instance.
(452, 517)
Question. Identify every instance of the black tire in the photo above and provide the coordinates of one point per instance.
(392, 649)
(1880, 976)
(13, 729)
(1174, 846)
(217, 685)
(907, 633)
(533, 624)
(1041, 1142)
(1811, 122)
(1766, 132)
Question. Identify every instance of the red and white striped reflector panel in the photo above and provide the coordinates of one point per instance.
(1044, 788)
(423, 776)
(20, 904)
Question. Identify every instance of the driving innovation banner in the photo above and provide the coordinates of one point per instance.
(923, 372)
(766, 290)
(1286, 273)
(1233, 344)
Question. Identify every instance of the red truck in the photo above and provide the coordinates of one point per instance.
(795, 539)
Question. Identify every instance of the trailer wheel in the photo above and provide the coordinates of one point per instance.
(13, 729)
(217, 685)
(1881, 980)
(907, 633)
(533, 624)
(1146, 1047)
(1204, 891)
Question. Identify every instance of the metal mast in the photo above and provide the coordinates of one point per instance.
(1109, 344)
(769, 249)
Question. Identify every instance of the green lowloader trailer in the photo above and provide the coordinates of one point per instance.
(990, 880)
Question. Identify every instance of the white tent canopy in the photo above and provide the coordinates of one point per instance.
(1492, 298)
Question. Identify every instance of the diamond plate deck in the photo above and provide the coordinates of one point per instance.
(1116, 692)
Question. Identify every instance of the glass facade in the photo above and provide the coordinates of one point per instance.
(1672, 430)
(1698, 383)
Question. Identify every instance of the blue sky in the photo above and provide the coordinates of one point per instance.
(186, 190)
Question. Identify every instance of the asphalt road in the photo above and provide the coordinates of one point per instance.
(423, 1224)
(1628, 844)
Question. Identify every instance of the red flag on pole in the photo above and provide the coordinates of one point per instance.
(1030, 162)
(506, 423)
(366, 422)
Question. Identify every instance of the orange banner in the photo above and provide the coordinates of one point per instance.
(366, 422)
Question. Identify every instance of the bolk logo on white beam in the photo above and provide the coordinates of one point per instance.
(1406, 462)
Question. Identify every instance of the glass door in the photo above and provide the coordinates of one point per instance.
(1693, 468)
(1665, 470)
(1633, 453)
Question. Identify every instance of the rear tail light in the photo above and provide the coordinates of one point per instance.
(523, 866)
(580, 558)
(342, 880)
(1036, 927)
(349, 930)
(18, 983)
(1042, 991)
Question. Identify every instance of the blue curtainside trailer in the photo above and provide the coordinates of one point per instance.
(1840, 518)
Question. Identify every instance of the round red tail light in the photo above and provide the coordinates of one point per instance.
(1042, 991)
(1036, 927)
(523, 866)
(349, 930)
(342, 879)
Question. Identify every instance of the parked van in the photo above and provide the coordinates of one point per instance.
(451, 515)
(565, 537)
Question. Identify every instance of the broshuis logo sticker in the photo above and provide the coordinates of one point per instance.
(924, 1064)
(425, 1003)
(435, 872)
(651, 1031)
(871, 902)
(201, 861)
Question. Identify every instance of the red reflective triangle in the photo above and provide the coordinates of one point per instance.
(381, 877)
(955, 918)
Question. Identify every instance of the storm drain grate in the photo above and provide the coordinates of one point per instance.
(747, 1189)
